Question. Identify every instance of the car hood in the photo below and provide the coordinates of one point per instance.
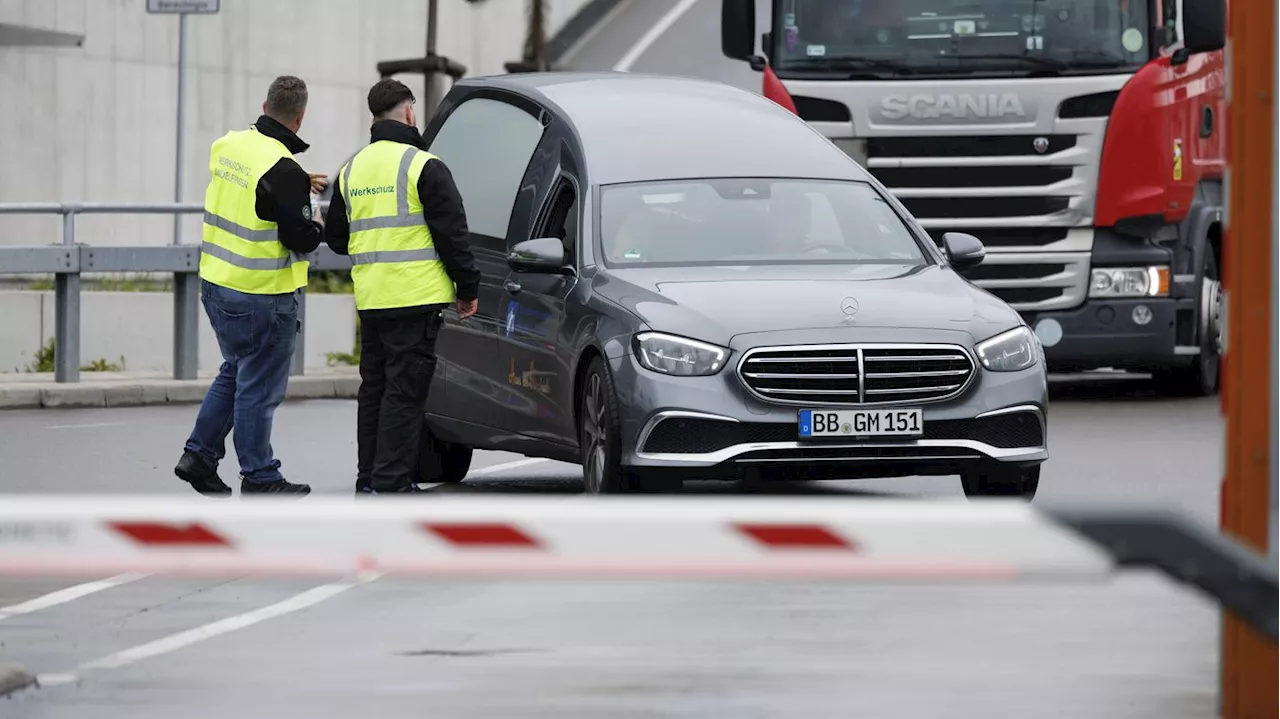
(716, 304)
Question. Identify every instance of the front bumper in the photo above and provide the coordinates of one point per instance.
(714, 426)
(1105, 333)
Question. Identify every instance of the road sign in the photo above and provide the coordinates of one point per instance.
(174, 7)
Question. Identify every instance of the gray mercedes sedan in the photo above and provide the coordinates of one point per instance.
(682, 280)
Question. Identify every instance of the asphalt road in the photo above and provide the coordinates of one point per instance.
(149, 647)
(1136, 647)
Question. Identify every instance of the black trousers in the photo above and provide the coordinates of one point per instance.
(397, 361)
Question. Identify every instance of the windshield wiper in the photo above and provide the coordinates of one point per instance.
(850, 63)
(1097, 58)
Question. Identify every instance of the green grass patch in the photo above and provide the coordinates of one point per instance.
(44, 357)
(348, 358)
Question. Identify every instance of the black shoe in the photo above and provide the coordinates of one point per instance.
(278, 487)
(195, 471)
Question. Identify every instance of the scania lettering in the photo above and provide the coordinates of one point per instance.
(896, 107)
(1083, 141)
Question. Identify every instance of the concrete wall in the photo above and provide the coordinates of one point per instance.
(97, 123)
(138, 326)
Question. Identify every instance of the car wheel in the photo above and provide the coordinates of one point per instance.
(1002, 483)
(440, 461)
(1201, 377)
(598, 437)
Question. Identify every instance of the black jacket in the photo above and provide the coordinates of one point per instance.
(441, 207)
(284, 192)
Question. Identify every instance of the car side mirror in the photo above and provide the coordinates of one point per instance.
(965, 252)
(1203, 26)
(738, 28)
(544, 255)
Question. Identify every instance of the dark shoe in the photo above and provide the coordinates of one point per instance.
(195, 471)
(279, 487)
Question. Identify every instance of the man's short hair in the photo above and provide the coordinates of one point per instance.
(386, 94)
(286, 98)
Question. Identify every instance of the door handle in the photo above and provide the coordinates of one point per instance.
(1206, 121)
(512, 286)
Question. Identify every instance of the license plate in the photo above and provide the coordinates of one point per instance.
(861, 423)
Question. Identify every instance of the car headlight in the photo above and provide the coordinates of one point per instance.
(1009, 351)
(1129, 282)
(681, 356)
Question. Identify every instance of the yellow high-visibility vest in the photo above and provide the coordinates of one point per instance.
(393, 258)
(241, 251)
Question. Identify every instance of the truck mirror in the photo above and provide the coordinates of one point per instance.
(1204, 25)
(738, 28)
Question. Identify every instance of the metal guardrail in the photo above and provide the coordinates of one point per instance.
(69, 259)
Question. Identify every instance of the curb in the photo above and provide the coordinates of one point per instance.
(156, 392)
(14, 678)
(576, 27)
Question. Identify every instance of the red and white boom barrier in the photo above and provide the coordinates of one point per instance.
(685, 537)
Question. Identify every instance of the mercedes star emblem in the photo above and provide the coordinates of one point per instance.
(849, 306)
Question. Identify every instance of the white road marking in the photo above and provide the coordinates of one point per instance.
(590, 35)
(491, 469)
(505, 466)
(62, 596)
(648, 39)
(177, 641)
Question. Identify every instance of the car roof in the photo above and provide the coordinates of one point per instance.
(637, 127)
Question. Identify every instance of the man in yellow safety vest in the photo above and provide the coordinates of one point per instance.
(397, 212)
(258, 232)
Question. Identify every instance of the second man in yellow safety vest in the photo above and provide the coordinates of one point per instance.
(397, 212)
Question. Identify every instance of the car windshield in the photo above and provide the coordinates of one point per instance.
(894, 37)
(752, 222)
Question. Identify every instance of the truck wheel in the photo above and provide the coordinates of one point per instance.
(599, 440)
(1002, 483)
(440, 461)
(1201, 377)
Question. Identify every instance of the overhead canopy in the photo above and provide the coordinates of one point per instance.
(22, 36)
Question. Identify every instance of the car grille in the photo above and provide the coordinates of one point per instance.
(857, 374)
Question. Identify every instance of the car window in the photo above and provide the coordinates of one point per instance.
(752, 221)
(562, 220)
(487, 145)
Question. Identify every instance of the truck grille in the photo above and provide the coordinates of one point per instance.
(1008, 193)
(823, 375)
(965, 146)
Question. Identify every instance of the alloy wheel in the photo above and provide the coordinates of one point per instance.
(595, 429)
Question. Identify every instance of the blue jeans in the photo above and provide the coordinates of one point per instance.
(257, 334)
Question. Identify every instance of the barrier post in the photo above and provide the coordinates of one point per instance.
(1249, 661)
(66, 311)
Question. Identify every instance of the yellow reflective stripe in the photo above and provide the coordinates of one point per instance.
(388, 256)
(346, 183)
(239, 230)
(379, 223)
(402, 218)
(252, 263)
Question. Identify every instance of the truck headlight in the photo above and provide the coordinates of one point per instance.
(1129, 282)
(681, 356)
(1011, 351)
